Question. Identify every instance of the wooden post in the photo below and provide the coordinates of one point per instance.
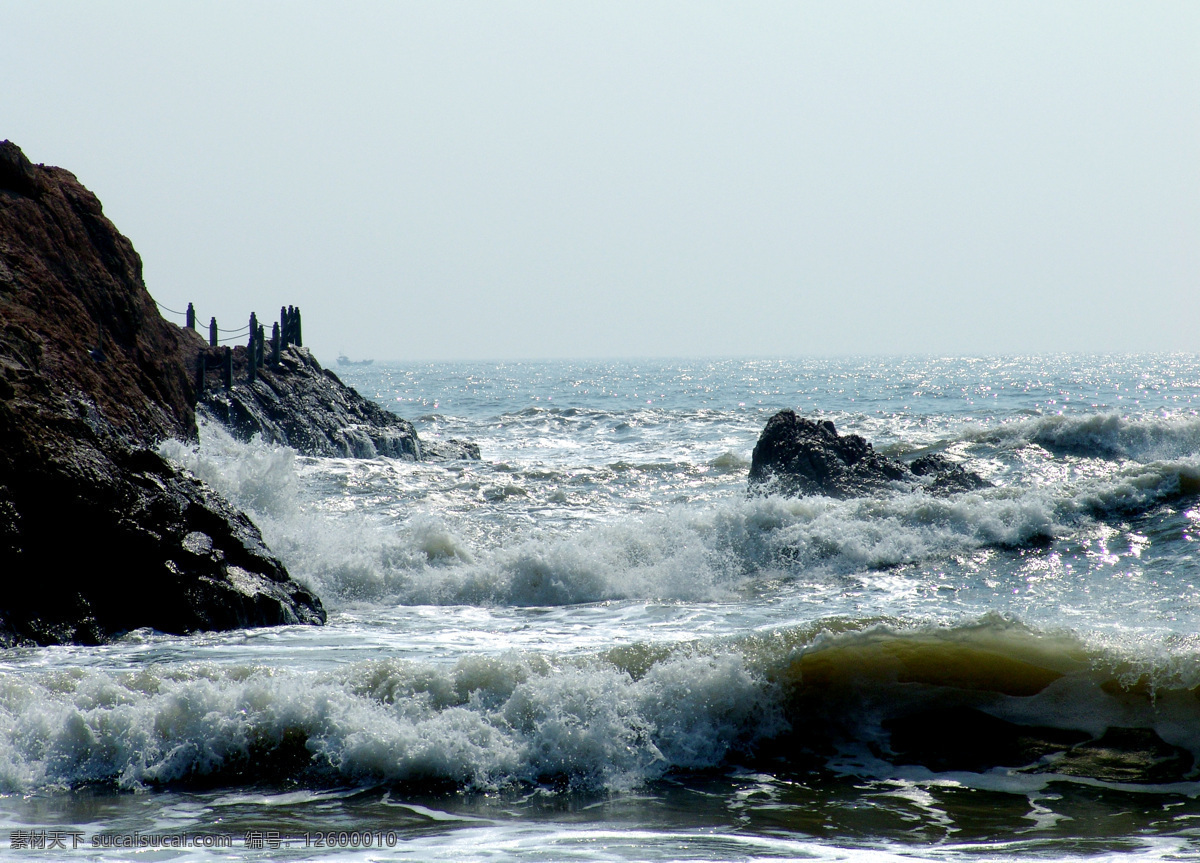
(228, 370)
(252, 355)
(212, 333)
(275, 337)
(252, 349)
(191, 317)
(283, 327)
(299, 339)
(260, 353)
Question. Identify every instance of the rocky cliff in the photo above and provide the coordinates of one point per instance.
(798, 456)
(297, 403)
(99, 534)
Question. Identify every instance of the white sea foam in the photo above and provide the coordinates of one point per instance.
(482, 724)
(259, 477)
(690, 552)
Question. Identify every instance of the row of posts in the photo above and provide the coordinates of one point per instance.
(286, 331)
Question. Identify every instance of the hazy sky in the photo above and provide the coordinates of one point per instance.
(518, 180)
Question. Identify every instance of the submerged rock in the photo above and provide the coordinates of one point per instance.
(964, 738)
(798, 456)
(297, 403)
(98, 533)
(1130, 755)
(948, 476)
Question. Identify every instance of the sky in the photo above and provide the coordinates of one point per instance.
(523, 180)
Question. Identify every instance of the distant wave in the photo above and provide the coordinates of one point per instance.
(867, 696)
(1107, 435)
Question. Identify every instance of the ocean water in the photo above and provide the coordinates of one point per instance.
(595, 645)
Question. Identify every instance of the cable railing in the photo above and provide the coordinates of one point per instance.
(260, 349)
(191, 316)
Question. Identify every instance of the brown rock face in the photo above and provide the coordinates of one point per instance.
(71, 283)
(98, 534)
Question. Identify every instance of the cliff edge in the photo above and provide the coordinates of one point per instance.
(99, 534)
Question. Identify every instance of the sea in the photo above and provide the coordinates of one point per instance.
(597, 644)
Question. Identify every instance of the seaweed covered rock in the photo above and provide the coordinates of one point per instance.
(798, 456)
(297, 403)
(98, 534)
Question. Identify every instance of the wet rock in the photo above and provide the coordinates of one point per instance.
(297, 403)
(98, 534)
(798, 456)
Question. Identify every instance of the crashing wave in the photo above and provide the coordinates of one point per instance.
(875, 697)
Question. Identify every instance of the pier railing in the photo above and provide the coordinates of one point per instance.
(259, 349)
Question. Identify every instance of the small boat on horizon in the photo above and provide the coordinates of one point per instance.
(344, 360)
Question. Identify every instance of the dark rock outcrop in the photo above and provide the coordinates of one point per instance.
(98, 533)
(799, 456)
(297, 403)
